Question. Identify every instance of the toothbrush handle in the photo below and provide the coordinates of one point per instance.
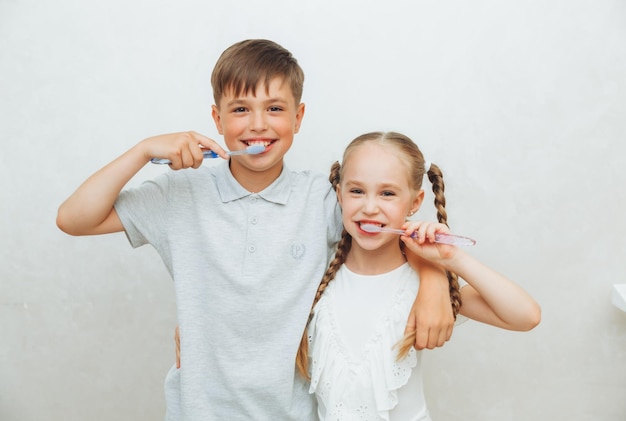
(207, 154)
(455, 240)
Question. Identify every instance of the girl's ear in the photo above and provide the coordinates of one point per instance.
(417, 202)
(215, 113)
(338, 191)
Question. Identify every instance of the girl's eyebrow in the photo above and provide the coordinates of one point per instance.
(379, 186)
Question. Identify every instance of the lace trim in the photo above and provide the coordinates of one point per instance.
(366, 389)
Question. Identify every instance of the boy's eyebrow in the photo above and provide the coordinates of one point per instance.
(239, 101)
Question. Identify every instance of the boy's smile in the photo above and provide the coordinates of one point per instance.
(269, 117)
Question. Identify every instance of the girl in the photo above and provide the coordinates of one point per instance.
(351, 351)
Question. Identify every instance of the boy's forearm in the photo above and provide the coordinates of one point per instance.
(89, 210)
(431, 316)
(429, 273)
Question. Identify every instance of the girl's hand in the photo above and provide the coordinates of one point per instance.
(424, 242)
(184, 149)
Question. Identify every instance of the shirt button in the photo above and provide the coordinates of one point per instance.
(254, 220)
(251, 249)
(253, 199)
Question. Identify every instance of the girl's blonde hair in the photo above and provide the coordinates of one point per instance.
(415, 163)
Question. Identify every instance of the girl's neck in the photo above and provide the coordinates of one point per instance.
(374, 262)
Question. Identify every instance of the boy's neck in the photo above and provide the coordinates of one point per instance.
(255, 181)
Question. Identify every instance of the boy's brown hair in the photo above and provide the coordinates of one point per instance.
(243, 65)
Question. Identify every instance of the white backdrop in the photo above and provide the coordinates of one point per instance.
(521, 103)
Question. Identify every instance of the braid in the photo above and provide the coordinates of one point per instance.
(436, 178)
(343, 247)
(335, 175)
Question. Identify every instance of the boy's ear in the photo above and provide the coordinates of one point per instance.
(215, 113)
(299, 116)
(417, 202)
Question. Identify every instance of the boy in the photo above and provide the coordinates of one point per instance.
(246, 242)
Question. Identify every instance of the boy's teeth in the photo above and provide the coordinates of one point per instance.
(263, 143)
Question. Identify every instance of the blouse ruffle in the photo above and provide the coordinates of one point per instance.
(346, 387)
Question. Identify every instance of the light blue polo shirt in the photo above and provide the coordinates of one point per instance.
(246, 267)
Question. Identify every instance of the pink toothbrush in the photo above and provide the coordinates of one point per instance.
(455, 240)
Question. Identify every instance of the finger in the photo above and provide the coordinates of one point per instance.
(441, 340)
(198, 157)
(209, 143)
(177, 342)
(422, 339)
(449, 332)
(192, 155)
(176, 161)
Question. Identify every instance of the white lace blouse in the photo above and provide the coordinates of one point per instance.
(354, 372)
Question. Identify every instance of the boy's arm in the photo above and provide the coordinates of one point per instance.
(89, 210)
(431, 315)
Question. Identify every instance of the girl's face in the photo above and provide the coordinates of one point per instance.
(375, 189)
(269, 117)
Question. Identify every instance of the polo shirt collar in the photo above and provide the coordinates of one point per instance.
(230, 189)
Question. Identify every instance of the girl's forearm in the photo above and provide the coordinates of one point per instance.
(505, 300)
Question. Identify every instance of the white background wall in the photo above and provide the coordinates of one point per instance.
(522, 103)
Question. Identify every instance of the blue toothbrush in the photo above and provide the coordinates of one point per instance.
(250, 150)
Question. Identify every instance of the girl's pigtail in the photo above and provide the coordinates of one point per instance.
(343, 247)
(436, 178)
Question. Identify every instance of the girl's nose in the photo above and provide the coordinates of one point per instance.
(370, 206)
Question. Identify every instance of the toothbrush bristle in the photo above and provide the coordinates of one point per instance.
(255, 149)
(370, 228)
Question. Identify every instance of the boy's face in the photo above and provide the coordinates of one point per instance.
(269, 118)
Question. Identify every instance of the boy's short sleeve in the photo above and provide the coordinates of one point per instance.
(142, 210)
(333, 212)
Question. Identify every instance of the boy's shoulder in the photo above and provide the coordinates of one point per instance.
(309, 177)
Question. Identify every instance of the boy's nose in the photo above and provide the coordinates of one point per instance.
(258, 122)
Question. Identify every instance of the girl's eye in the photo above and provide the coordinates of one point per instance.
(356, 191)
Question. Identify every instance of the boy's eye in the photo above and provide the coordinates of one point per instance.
(239, 110)
(388, 193)
(275, 109)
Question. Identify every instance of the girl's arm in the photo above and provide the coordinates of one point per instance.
(431, 316)
(490, 297)
(89, 210)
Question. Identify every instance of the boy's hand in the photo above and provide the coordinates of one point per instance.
(177, 341)
(183, 149)
(431, 316)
